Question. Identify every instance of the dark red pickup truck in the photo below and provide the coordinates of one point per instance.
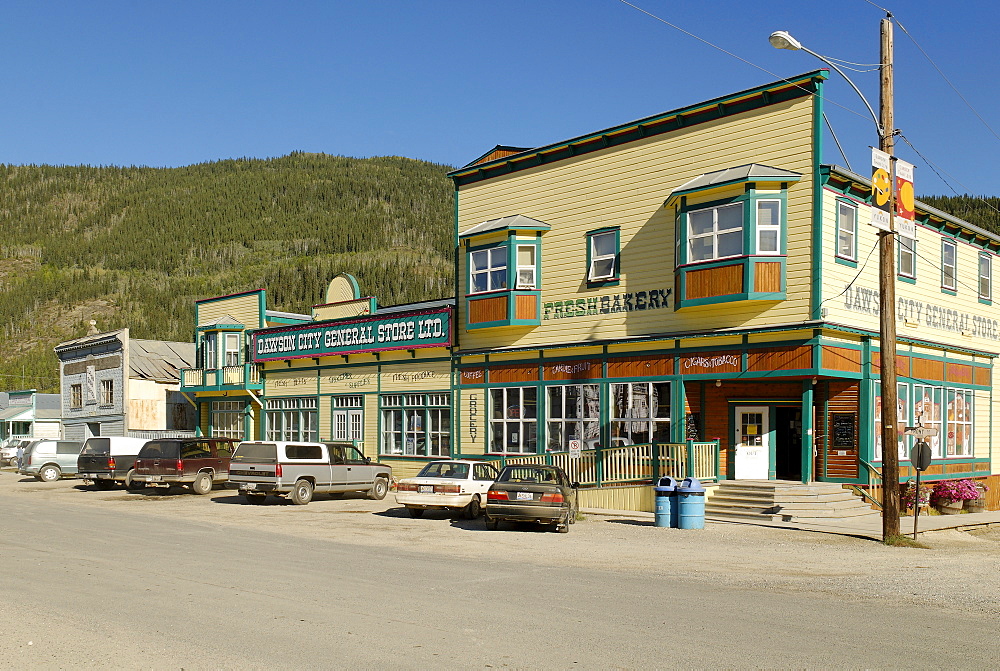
(198, 463)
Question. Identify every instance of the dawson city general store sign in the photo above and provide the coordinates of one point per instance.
(410, 331)
(866, 300)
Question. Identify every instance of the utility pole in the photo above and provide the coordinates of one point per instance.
(887, 304)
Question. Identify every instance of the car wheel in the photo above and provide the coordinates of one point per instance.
(49, 473)
(202, 484)
(256, 499)
(416, 512)
(379, 489)
(302, 493)
(492, 523)
(473, 509)
(133, 485)
(104, 484)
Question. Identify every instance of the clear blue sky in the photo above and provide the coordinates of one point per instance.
(173, 83)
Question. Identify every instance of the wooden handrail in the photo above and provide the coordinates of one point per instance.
(874, 491)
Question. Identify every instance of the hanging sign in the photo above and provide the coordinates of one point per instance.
(905, 207)
(881, 190)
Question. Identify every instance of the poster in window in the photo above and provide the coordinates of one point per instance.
(691, 430)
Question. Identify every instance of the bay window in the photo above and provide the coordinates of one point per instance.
(715, 233)
(488, 269)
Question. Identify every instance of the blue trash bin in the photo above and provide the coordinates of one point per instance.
(666, 507)
(691, 504)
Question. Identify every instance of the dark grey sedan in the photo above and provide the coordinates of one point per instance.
(530, 493)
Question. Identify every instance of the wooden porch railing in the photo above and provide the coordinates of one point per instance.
(873, 493)
(632, 464)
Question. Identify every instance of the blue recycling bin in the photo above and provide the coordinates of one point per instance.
(666, 506)
(691, 504)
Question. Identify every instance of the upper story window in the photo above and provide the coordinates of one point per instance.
(232, 349)
(949, 257)
(907, 257)
(76, 396)
(210, 351)
(602, 255)
(715, 233)
(488, 269)
(847, 231)
(768, 226)
(526, 267)
(985, 277)
(107, 392)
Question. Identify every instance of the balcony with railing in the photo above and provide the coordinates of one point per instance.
(227, 378)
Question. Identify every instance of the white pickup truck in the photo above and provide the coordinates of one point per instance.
(299, 469)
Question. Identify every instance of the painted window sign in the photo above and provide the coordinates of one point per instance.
(411, 331)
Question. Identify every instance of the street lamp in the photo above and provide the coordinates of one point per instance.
(781, 39)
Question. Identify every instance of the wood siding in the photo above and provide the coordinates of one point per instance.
(780, 358)
(523, 372)
(640, 366)
(714, 282)
(625, 186)
(245, 308)
(767, 276)
(491, 309)
(842, 358)
(526, 307)
(841, 398)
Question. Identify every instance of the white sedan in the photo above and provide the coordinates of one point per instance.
(455, 484)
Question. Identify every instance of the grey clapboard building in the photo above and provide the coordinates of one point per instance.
(115, 385)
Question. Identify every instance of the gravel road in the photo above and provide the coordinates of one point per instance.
(960, 572)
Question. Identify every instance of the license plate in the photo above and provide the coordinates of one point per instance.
(155, 478)
(525, 496)
(426, 489)
(250, 486)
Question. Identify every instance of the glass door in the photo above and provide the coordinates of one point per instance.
(753, 443)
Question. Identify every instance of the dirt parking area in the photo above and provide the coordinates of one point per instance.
(959, 571)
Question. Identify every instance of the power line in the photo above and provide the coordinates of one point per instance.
(739, 58)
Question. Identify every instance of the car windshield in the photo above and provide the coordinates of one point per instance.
(256, 452)
(445, 469)
(97, 446)
(527, 474)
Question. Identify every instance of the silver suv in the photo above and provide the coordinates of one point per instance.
(298, 470)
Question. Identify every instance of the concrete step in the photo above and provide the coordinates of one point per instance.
(780, 500)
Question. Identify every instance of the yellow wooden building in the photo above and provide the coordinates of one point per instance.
(695, 290)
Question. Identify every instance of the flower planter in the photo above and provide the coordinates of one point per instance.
(950, 507)
(976, 505)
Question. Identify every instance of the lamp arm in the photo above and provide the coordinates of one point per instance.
(878, 125)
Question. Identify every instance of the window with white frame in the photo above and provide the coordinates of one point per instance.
(602, 251)
(232, 349)
(514, 420)
(294, 418)
(985, 277)
(227, 419)
(526, 268)
(715, 232)
(768, 226)
(76, 396)
(209, 359)
(416, 424)
(488, 269)
(949, 262)
(640, 413)
(907, 256)
(348, 418)
(573, 413)
(847, 230)
(107, 392)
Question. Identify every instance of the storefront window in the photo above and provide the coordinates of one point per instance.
(292, 419)
(514, 420)
(348, 418)
(574, 413)
(227, 419)
(640, 413)
(948, 410)
(416, 424)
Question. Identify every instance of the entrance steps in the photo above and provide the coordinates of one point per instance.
(782, 500)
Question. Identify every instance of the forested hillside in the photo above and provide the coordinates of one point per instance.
(983, 211)
(136, 246)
